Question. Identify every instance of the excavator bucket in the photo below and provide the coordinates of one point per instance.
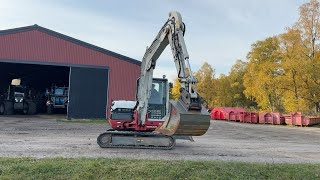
(183, 122)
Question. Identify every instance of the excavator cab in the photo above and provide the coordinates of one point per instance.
(123, 112)
(157, 106)
(159, 99)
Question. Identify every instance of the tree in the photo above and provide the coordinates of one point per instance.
(229, 88)
(293, 63)
(223, 94)
(205, 86)
(261, 78)
(308, 27)
(175, 91)
(236, 85)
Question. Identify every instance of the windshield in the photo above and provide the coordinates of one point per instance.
(158, 95)
(58, 91)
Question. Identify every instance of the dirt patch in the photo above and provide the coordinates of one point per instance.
(43, 136)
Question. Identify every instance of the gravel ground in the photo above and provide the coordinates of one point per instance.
(43, 136)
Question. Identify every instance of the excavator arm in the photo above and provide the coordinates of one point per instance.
(171, 33)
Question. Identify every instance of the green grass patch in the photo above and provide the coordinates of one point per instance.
(101, 168)
(89, 121)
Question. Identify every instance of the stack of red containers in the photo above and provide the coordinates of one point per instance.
(313, 120)
(287, 119)
(276, 118)
(226, 113)
(299, 120)
(271, 118)
(232, 114)
(242, 116)
(216, 113)
(249, 117)
(254, 117)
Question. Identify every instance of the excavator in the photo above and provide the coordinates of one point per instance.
(154, 121)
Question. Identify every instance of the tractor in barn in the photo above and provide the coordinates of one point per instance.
(18, 99)
(57, 98)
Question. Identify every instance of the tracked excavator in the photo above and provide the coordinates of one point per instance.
(153, 121)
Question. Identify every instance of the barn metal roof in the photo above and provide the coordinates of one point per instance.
(70, 39)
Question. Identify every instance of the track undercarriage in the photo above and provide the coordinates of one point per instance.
(135, 140)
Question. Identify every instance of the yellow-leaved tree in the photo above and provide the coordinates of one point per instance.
(175, 91)
(236, 86)
(293, 64)
(308, 27)
(223, 94)
(261, 78)
(205, 86)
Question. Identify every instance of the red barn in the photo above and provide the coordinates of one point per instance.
(42, 57)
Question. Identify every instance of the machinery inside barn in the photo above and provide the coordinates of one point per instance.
(36, 78)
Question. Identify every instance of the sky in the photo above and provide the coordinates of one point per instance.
(218, 32)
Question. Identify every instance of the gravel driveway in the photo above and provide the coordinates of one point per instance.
(44, 136)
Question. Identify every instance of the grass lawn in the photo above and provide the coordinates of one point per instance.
(86, 168)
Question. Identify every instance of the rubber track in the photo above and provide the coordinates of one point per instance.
(133, 133)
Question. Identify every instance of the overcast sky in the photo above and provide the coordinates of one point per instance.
(219, 32)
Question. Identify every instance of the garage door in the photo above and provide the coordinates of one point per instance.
(88, 92)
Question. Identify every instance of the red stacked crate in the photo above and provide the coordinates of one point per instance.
(216, 113)
(232, 114)
(271, 118)
(265, 118)
(247, 117)
(296, 118)
(254, 117)
(225, 113)
(279, 119)
(241, 116)
(299, 120)
(287, 119)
